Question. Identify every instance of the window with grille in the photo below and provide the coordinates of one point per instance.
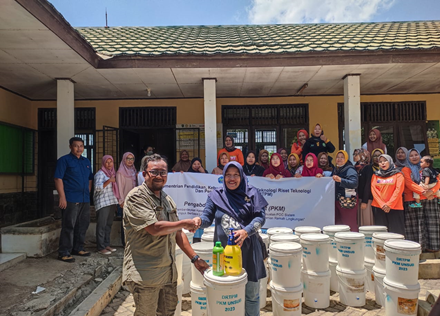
(147, 117)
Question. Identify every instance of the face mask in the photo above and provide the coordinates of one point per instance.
(149, 153)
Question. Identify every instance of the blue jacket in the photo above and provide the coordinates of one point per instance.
(349, 178)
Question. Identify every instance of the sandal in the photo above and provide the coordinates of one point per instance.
(81, 253)
(67, 258)
(104, 252)
(110, 249)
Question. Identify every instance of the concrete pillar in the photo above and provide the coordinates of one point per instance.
(65, 115)
(352, 113)
(210, 107)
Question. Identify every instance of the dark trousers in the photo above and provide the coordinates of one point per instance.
(74, 223)
(104, 221)
(394, 220)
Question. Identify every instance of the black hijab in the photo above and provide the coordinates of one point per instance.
(192, 161)
(252, 169)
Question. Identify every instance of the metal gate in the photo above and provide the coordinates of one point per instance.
(107, 143)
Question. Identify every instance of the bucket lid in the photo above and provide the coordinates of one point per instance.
(284, 237)
(297, 288)
(379, 271)
(333, 263)
(196, 288)
(317, 274)
(394, 245)
(349, 235)
(226, 279)
(210, 229)
(352, 272)
(265, 237)
(307, 229)
(285, 247)
(373, 228)
(336, 228)
(369, 263)
(401, 286)
(203, 247)
(315, 237)
(178, 251)
(208, 237)
(385, 236)
(279, 230)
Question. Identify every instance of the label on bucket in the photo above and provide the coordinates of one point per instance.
(355, 285)
(403, 263)
(228, 301)
(291, 305)
(346, 251)
(380, 253)
(368, 241)
(407, 306)
(201, 302)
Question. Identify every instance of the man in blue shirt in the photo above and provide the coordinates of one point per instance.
(73, 181)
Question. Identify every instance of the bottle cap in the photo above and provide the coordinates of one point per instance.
(218, 243)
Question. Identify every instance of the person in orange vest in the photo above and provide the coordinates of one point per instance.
(235, 154)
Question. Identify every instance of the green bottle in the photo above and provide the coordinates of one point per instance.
(218, 263)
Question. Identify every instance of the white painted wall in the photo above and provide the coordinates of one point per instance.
(209, 93)
(352, 114)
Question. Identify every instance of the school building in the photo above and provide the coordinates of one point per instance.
(186, 87)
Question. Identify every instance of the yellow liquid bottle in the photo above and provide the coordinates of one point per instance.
(233, 260)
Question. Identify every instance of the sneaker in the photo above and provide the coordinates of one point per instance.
(104, 252)
(67, 258)
(415, 205)
(110, 249)
(81, 253)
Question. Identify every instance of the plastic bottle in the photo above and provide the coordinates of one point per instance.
(218, 260)
(233, 261)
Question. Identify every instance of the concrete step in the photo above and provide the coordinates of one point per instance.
(8, 260)
(429, 269)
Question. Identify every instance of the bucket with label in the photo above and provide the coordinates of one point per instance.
(400, 299)
(351, 286)
(284, 238)
(204, 251)
(208, 237)
(333, 276)
(225, 294)
(316, 288)
(378, 248)
(315, 252)
(379, 275)
(402, 261)
(263, 290)
(369, 285)
(199, 303)
(285, 259)
(186, 265)
(279, 230)
(307, 230)
(179, 299)
(350, 247)
(331, 230)
(179, 264)
(286, 301)
(368, 231)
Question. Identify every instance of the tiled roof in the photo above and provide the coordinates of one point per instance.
(263, 39)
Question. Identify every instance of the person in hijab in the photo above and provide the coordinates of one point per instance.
(240, 206)
(140, 175)
(361, 159)
(294, 165)
(183, 164)
(387, 186)
(235, 154)
(223, 159)
(283, 154)
(310, 168)
(401, 160)
(251, 168)
(263, 159)
(374, 141)
(324, 164)
(318, 143)
(375, 154)
(196, 166)
(346, 182)
(105, 197)
(276, 169)
(365, 171)
(301, 138)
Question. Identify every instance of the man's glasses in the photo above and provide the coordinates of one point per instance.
(155, 173)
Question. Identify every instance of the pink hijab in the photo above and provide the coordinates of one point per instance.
(128, 172)
(110, 173)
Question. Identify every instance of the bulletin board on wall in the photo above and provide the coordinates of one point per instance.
(432, 133)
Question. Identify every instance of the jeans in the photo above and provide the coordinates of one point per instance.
(74, 224)
(252, 301)
(104, 221)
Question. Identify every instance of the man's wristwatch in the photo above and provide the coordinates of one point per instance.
(194, 259)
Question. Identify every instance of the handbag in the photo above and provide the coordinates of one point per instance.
(348, 200)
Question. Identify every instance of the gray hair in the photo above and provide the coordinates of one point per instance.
(151, 158)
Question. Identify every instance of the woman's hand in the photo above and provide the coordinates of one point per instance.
(270, 176)
(319, 175)
(386, 209)
(201, 170)
(323, 138)
(278, 176)
(197, 221)
(252, 175)
(121, 204)
(112, 179)
(298, 175)
(240, 236)
(337, 178)
(364, 206)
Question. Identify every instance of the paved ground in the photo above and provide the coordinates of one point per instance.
(122, 304)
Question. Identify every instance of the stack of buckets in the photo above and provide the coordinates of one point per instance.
(379, 268)
(307, 230)
(315, 272)
(263, 282)
(186, 267)
(197, 287)
(331, 230)
(350, 270)
(273, 231)
(179, 266)
(286, 285)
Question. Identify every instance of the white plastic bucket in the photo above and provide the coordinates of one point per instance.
(204, 250)
(210, 229)
(225, 294)
(286, 301)
(331, 230)
(263, 291)
(208, 237)
(368, 231)
(315, 252)
(351, 286)
(279, 230)
(199, 303)
(350, 250)
(189, 235)
(265, 238)
(402, 261)
(284, 238)
(379, 252)
(179, 264)
(400, 299)
(307, 230)
(379, 275)
(369, 284)
(285, 259)
(333, 277)
(179, 300)
(316, 288)
(186, 275)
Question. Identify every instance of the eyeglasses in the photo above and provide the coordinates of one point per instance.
(232, 176)
(129, 159)
(155, 173)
